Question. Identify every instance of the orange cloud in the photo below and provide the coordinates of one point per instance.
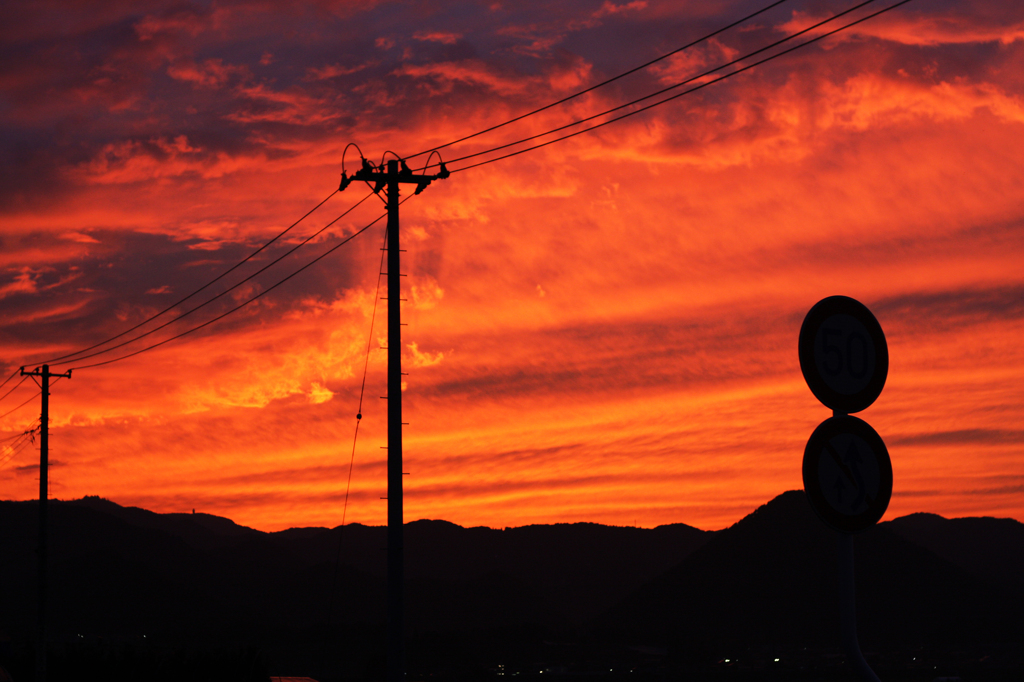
(919, 28)
(437, 36)
(609, 8)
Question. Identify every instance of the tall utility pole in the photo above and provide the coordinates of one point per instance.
(391, 178)
(44, 465)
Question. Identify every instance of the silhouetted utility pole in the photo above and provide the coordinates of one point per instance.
(44, 465)
(391, 178)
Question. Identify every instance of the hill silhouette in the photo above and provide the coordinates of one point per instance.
(126, 574)
(571, 598)
(992, 549)
(769, 584)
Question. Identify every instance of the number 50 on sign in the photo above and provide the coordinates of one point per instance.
(843, 354)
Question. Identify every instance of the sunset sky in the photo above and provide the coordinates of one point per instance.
(603, 329)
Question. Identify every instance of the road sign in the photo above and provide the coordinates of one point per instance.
(847, 474)
(843, 354)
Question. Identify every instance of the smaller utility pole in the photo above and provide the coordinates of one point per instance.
(44, 464)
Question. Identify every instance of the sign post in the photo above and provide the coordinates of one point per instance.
(847, 472)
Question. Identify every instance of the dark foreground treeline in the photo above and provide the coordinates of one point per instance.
(143, 596)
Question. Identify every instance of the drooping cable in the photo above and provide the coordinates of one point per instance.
(352, 457)
(373, 316)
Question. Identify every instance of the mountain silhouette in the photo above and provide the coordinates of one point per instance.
(566, 598)
(127, 574)
(992, 549)
(769, 584)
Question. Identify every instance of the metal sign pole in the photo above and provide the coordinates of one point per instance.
(848, 610)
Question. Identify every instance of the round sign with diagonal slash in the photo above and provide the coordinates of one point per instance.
(843, 354)
(847, 474)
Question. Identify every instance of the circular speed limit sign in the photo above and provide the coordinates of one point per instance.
(847, 474)
(843, 354)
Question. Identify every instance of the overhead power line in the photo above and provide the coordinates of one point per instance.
(240, 305)
(13, 374)
(194, 293)
(84, 354)
(38, 393)
(674, 86)
(221, 294)
(602, 83)
(677, 95)
(15, 449)
(23, 433)
(13, 388)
